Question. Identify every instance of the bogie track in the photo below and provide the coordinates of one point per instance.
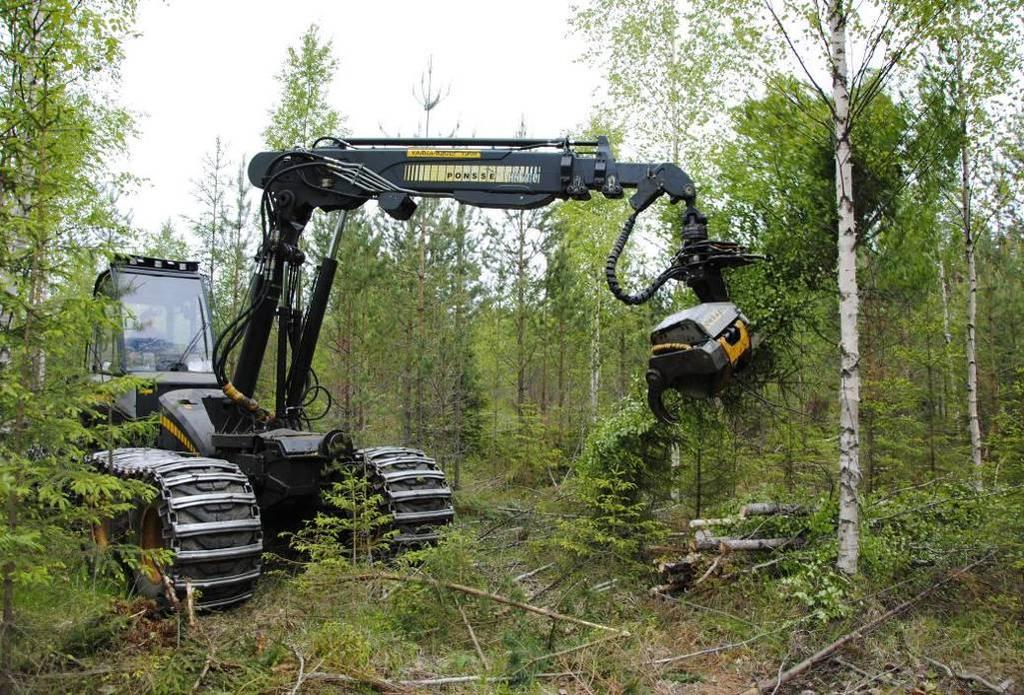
(414, 491)
(206, 512)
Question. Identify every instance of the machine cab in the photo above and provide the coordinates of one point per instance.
(160, 328)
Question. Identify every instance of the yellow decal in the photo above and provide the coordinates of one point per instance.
(742, 345)
(444, 154)
(177, 434)
(490, 173)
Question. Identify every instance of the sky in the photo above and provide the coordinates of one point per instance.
(199, 69)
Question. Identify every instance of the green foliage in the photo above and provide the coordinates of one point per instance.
(302, 113)
(530, 457)
(342, 646)
(57, 132)
(166, 243)
(1007, 439)
(937, 522)
(625, 461)
(353, 528)
(819, 586)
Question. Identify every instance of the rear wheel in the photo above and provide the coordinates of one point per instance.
(149, 575)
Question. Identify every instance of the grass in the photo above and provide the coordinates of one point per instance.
(84, 636)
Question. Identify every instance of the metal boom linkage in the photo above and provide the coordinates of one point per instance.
(488, 173)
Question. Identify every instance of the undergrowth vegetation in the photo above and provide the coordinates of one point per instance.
(342, 613)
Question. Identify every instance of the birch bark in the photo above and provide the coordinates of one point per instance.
(849, 373)
(973, 420)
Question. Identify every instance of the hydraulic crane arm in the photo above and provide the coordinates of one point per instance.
(489, 173)
(507, 174)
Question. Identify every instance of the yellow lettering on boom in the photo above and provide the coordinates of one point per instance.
(443, 154)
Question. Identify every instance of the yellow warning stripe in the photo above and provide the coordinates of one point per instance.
(176, 432)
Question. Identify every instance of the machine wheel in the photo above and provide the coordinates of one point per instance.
(206, 512)
(415, 493)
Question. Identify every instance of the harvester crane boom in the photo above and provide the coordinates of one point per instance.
(338, 174)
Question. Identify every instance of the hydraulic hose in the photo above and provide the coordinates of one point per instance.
(613, 261)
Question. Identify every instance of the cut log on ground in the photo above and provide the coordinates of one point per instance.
(678, 576)
(684, 566)
(771, 509)
(740, 544)
(704, 523)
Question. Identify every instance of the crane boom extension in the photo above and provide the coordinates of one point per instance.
(507, 174)
(488, 173)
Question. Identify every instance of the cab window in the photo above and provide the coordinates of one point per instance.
(166, 326)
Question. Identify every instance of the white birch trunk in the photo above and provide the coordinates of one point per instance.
(595, 360)
(849, 372)
(973, 420)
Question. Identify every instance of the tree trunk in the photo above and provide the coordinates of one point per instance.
(560, 402)
(974, 422)
(595, 360)
(849, 374)
(771, 509)
(520, 313)
(725, 544)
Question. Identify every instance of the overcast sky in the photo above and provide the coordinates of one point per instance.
(199, 69)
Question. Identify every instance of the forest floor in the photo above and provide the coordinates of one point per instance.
(337, 628)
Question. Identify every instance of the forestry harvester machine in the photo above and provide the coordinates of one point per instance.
(220, 457)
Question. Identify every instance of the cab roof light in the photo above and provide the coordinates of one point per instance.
(162, 263)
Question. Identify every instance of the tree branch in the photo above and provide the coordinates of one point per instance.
(479, 593)
(814, 83)
(828, 651)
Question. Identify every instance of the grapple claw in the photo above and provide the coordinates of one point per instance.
(655, 390)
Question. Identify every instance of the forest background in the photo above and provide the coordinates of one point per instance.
(488, 339)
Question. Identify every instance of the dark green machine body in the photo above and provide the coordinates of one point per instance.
(218, 468)
(221, 457)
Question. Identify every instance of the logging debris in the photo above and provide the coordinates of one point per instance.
(695, 568)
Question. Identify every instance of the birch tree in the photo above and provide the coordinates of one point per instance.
(826, 32)
(977, 42)
(849, 337)
(302, 111)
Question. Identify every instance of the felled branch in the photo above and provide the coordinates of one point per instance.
(479, 593)
(968, 676)
(400, 686)
(527, 575)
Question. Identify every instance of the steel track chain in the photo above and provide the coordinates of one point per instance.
(414, 490)
(209, 518)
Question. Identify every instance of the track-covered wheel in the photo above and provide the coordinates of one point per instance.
(205, 511)
(414, 491)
